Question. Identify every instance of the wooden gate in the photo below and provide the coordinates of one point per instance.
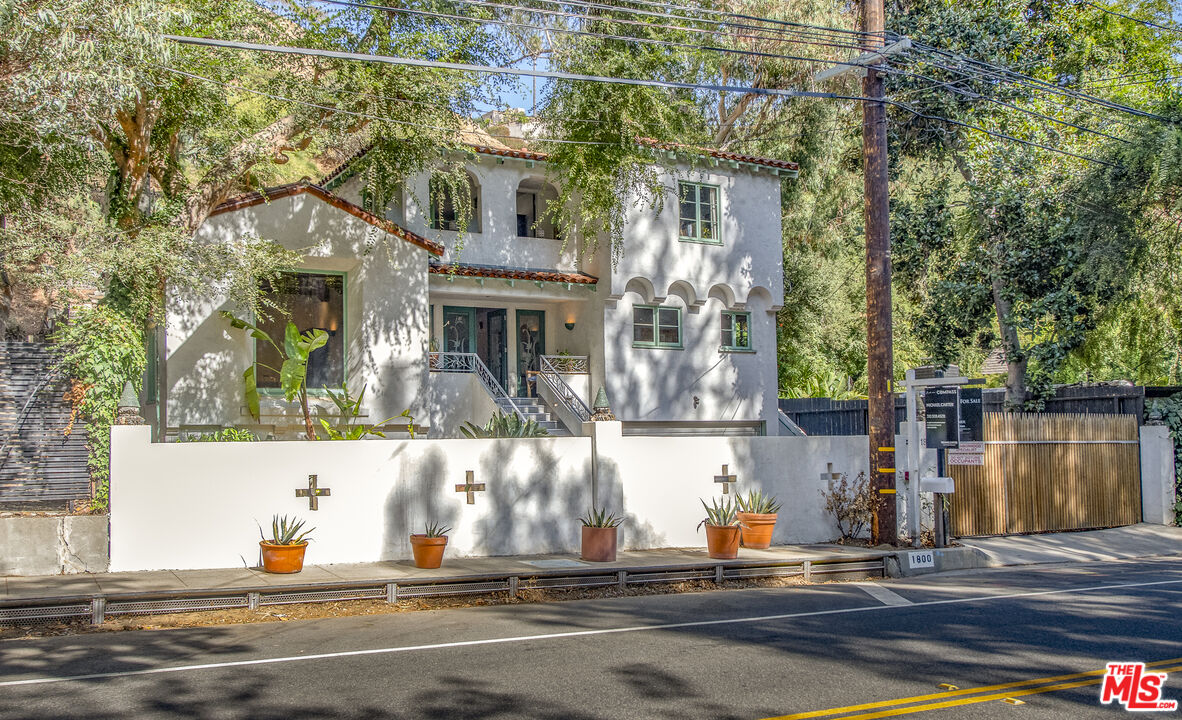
(1050, 472)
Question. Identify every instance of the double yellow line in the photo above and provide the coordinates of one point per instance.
(969, 696)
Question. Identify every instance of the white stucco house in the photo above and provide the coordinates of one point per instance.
(680, 330)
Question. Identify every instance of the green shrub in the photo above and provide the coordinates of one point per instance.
(100, 349)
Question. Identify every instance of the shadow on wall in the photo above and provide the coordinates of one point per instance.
(661, 384)
(387, 330)
(416, 499)
(529, 510)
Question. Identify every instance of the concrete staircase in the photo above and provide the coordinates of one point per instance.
(535, 408)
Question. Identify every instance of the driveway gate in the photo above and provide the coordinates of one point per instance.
(1047, 472)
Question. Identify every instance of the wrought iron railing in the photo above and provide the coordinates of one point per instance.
(568, 364)
(453, 362)
(563, 392)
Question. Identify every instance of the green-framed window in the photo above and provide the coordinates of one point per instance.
(698, 208)
(656, 326)
(736, 330)
(312, 299)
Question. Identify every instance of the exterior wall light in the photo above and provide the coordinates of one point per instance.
(570, 325)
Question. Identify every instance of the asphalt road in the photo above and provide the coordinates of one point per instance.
(731, 654)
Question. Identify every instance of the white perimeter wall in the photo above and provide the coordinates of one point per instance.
(195, 505)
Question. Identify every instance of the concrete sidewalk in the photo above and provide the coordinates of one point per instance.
(1136, 541)
(14, 590)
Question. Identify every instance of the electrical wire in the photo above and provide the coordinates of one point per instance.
(589, 33)
(1129, 17)
(415, 62)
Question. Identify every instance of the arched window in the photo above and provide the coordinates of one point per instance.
(534, 196)
(446, 213)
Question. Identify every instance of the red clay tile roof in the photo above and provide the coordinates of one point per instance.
(491, 271)
(721, 154)
(281, 191)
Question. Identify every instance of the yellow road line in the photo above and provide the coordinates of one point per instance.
(955, 693)
(984, 698)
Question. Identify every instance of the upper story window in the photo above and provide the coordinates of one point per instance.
(312, 300)
(736, 330)
(656, 326)
(534, 197)
(698, 205)
(447, 212)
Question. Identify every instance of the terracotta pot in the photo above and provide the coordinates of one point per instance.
(599, 544)
(283, 558)
(722, 541)
(428, 550)
(757, 529)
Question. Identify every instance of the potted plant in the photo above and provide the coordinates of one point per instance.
(722, 529)
(284, 552)
(428, 546)
(757, 518)
(599, 535)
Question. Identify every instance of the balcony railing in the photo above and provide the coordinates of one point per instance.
(567, 364)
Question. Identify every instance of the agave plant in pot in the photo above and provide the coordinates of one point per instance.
(757, 518)
(428, 546)
(722, 529)
(599, 535)
(284, 552)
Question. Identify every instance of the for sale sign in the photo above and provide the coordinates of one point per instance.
(942, 411)
(972, 421)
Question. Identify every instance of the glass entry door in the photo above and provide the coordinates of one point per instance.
(459, 329)
(493, 343)
(531, 345)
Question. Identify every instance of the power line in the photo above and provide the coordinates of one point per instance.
(808, 36)
(465, 67)
(587, 33)
(1003, 74)
(1129, 17)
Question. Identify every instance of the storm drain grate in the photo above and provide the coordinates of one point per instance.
(43, 614)
(405, 591)
(760, 572)
(315, 596)
(674, 576)
(155, 607)
(873, 568)
(565, 582)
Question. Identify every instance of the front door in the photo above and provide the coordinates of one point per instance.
(497, 344)
(459, 329)
(531, 345)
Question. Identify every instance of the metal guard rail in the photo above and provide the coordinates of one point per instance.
(564, 392)
(454, 362)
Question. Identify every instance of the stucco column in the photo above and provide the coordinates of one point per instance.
(607, 445)
(1157, 475)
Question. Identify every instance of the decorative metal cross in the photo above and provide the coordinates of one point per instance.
(313, 493)
(470, 487)
(726, 479)
(829, 476)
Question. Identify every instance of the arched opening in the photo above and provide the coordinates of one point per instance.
(534, 196)
(447, 212)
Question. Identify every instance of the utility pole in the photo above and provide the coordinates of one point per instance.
(879, 343)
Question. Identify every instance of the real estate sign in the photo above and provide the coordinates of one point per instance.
(942, 413)
(972, 421)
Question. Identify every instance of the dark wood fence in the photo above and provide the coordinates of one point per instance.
(822, 416)
(39, 464)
